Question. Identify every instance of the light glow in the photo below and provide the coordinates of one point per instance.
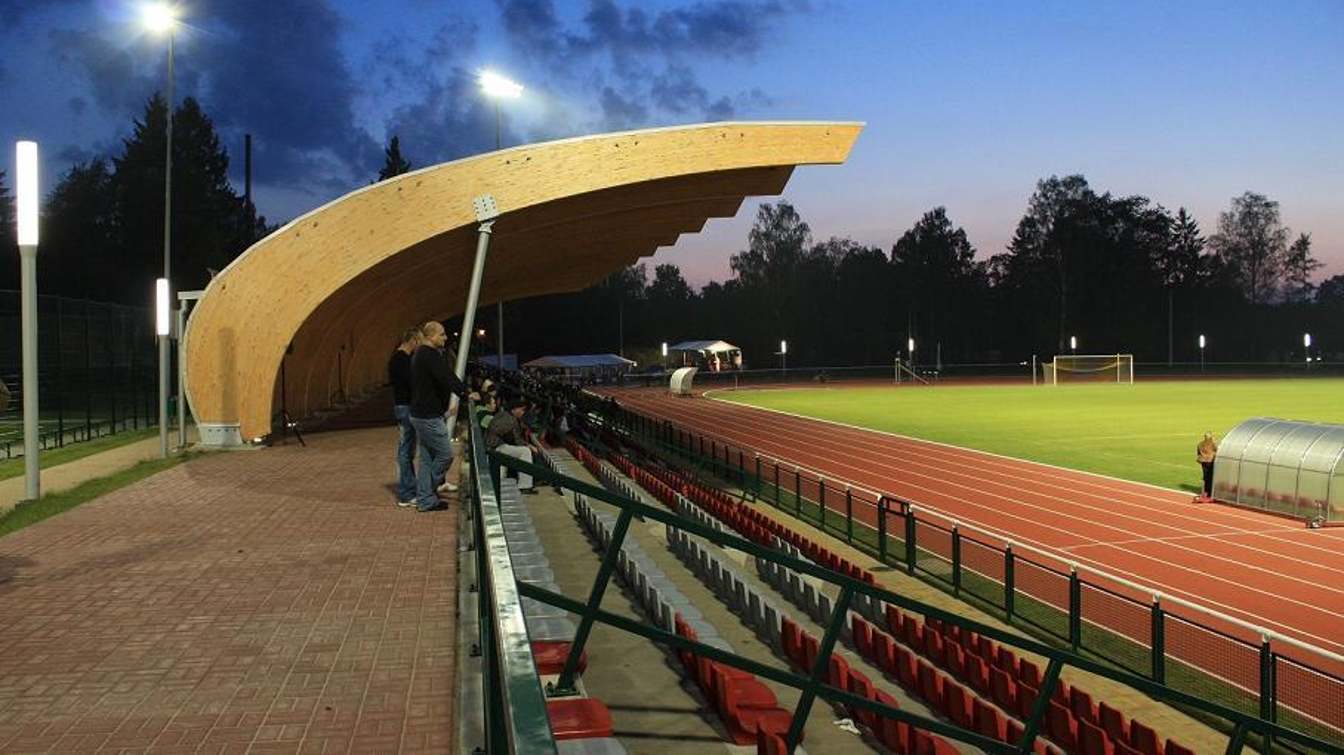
(25, 194)
(1201, 341)
(161, 324)
(664, 348)
(910, 345)
(495, 85)
(1073, 342)
(783, 347)
(1306, 340)
(159, 17)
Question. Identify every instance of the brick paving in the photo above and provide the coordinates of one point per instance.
(255, 601)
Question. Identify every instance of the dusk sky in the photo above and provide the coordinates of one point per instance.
(967, 105)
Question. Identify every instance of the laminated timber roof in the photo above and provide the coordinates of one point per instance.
(339, 283)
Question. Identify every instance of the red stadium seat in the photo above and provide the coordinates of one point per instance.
(1081, 704)
(894, 621)
(1006, 660)
(988, 720)
(769, 743)
(1093, 741)
(957, 704)
(578, 718)
(912, 633)
(977, 674)
(1029, 672)
(837, 671)
(1061, 726)
(1026, 699)
(890, 732)
(884, 652)
(1176, 749)
(862, 633)
(954, 660)
(811, 648)
(790, 636)
(930, 685)
(1143, 738)
(861, 685)
(1003, 691)
(550, 656)
(906, 670)
(933, 645)
(1113, 722)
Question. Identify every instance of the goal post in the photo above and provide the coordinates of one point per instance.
(1089, 368)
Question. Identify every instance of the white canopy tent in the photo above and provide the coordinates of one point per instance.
(582, 367)
(712, 355)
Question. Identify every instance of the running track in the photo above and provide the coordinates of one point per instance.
(1262, 569)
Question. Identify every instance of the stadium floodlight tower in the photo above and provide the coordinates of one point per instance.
(161, 18)
(1201, 352)
(497, 88)
(25, 205)
(910, 348)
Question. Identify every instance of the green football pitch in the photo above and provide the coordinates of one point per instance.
(1145, 432)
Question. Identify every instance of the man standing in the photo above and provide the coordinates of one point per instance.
(1205, 453)
(399, 374)
(432, 385)
(505, 435)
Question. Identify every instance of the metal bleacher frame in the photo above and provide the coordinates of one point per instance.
(515, 710)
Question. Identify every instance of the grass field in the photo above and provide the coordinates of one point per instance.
(1145, 432)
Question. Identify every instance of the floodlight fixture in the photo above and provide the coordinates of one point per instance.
(783, 347)
(664, 348)
(1073, 343)
(1201, 340)
(161, 320)
(910, 346)
(1306, 340)
(495, 85)
(159, 17)
(26, 195)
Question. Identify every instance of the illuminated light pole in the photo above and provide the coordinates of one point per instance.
(1073, 344)
(161, 18)
(910, 347)
(1306, 346)
(664, 355)
(26, 204)
(498, 87)
(783, 359)
(1201, 352)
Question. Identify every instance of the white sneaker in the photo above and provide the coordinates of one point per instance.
(448, 487)
(405, 504)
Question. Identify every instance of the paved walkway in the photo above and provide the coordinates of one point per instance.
(72, 473)
(268, 601)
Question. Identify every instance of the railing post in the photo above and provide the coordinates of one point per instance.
(565, 684)
(1075, 609)
(798, 492)
(849, 515)
(909, 539)
(1009, 578)
(821, 497)
(956, 561)
(1267, 680)
(819, 668)
(1032, 723)
(882, 529)
(1159, 642)
(741, 469)
(776, 465)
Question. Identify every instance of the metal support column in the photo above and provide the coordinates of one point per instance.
(486, 212)
(32, 487)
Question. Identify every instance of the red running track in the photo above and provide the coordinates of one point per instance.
(1262, 569)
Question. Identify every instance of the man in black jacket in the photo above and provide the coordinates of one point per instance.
(505, 435)
(432, 386)
(399, 375)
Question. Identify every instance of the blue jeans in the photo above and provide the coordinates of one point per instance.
(436, 453)
(405, 453)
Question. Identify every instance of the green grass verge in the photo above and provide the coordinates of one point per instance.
(50, 505)
(47, 459)
(1038, 618)
(1144, 432)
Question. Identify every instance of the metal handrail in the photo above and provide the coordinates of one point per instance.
(504, 640)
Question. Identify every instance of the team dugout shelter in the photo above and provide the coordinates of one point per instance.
(1284, 467)
(582, 369)
(712, 356)
(322, 300)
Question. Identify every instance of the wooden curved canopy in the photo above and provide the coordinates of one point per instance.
(341, 282)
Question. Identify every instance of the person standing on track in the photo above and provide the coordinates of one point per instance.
(1205, 453)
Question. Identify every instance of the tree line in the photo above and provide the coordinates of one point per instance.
(1120, 273)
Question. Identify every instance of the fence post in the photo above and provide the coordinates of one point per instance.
(60, 377)
(88, 377)
(821, 496)
(776, 465)
(111, 374)
(882, 529)
(1267, 702)
(1009, 589)
(741, 468)
(1159, 642)
(910, 538)
(849, 515)
(1075, 608)
(956, 561)
(798, 492)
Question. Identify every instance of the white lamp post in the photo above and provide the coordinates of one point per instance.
(910, 348)
(161, 18)
(26, 203)
(498, 87)
(1073, 344)
(784, 358)
(664, 355)
(1201, 352)
(1306, 346)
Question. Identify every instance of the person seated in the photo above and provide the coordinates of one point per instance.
(505, 435)
(486, 410)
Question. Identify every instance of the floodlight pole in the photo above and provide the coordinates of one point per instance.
(32, 487)
(164, 355)
(499, 305)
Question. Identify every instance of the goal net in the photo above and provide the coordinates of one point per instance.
(1089, 368)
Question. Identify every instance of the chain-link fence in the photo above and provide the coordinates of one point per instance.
(97, 370)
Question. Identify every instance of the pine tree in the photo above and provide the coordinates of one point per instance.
(395, 164)
(9, 253)
(79, 234)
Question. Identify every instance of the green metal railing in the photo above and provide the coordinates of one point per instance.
(1242, 724)
(1056, 603)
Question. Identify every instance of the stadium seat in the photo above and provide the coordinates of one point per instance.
(988, 720)
(1082, 707)
(862, 632)
(837, 671)
(1113, 723)
(1006, 660)
(930, 685)
(1093, 741)
(861, 685)
(890, 732)
(578, 718)
(811, 648)
(912, 633)
(1026, 699)
(977, 674)
(771, 743)
(1061, 726)
(933, 645)
(884, 652)
(1003, 691)
(906, 670)
(792, 640)
(1176, 749)
(894, 621)
(1142, 738)
(1029, 672)
(957, 704)
(745, 724)
(550, 656)
(954, 660)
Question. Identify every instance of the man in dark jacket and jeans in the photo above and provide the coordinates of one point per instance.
(505, 435)
(399, 374)
(432, 386)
